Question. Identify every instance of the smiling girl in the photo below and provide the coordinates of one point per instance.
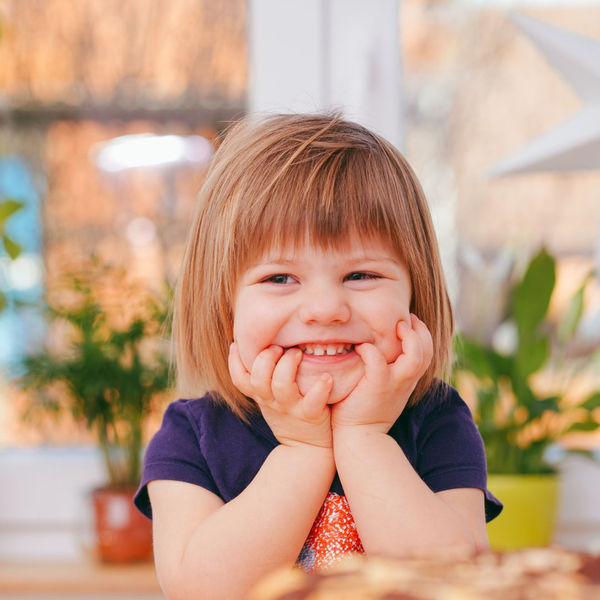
(311, 306)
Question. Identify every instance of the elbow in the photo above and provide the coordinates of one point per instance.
(177, 586)
(198, 593)
(482, 545)
(205, 586)
(462, 550)
(459, 547)
(456, 545)
(176, 590)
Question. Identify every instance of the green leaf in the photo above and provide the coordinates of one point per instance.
(572, 316)
(531, 355)
(538, 407)
(523, 393)
(12, 248)
(9, 208)
(2, 302)
(592, 402)
(583, 426)
(532, 294)
(481, 360)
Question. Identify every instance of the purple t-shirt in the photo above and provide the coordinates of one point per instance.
(202, 442)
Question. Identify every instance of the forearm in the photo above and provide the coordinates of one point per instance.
(395, 512)
(263, 528)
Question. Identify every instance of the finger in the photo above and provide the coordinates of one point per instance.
(262, 371)
(375, 364)
(316, 398)
(426, 341)
(237, 370)
(409, 363)
(283, 384)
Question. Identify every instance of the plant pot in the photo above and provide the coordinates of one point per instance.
(123, 534)
(530, 509)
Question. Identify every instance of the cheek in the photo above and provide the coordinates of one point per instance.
(246, 343)
(253, 331)
(388, 342)
(243, 337)
(391, 348)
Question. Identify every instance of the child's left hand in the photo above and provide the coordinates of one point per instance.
(382, 393)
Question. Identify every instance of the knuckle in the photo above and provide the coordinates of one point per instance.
(279, 388)
(257, 383)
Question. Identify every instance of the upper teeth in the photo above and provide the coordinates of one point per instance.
(322, 349)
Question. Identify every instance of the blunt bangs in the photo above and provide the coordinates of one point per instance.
(329, 195)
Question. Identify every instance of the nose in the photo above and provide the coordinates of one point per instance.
(325, 307)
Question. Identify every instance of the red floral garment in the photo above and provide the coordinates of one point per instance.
(332, 538)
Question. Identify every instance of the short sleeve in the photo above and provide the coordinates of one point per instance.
(450, 451)
(175, 453)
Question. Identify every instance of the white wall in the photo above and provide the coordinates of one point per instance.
(579, 504)
(45, 513)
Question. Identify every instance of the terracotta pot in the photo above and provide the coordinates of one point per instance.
(123, 534)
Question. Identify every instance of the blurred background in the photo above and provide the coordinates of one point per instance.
(109, 115)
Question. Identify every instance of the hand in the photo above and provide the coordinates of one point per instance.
(293, 418)
(382, 393)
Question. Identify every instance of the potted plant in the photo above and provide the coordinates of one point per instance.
(109, 374)
(519, 415)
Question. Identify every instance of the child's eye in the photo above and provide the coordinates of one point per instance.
(360, 276)
(280, 279)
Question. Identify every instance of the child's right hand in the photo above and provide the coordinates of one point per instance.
(294, 419)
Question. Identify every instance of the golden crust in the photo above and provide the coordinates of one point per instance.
(532, 574)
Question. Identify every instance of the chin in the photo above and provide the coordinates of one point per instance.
(342, 385)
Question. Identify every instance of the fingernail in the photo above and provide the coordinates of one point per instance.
(231, 347)
(326, 377)
(403, 324)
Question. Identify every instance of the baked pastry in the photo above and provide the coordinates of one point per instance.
(550, 573)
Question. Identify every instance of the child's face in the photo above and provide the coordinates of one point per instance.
(324, 301)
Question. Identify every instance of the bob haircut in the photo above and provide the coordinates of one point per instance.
(277, 181)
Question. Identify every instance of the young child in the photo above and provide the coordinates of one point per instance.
(312, 306)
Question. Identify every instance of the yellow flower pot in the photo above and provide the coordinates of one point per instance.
(529, 515)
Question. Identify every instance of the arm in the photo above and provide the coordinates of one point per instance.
(395, 511)
(209, 550)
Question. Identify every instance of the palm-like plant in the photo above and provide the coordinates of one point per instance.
(510, 412)
(111, 377)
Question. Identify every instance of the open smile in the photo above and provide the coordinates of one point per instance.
(330, 349)
(326, 353)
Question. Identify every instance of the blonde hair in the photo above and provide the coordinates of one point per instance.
(273, 181)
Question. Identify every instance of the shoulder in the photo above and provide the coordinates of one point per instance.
(192, 412)
(176, 451)
(184, 424)
(442, 418)
(440, 402)
(194, 407)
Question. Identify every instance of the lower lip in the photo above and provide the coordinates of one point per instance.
(328, 359)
